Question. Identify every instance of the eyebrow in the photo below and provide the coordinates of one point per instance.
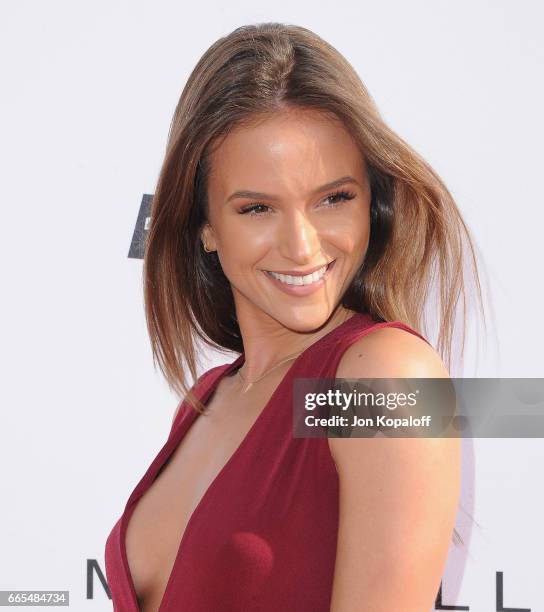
(344, 180)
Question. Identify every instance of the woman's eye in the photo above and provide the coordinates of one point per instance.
(334, 199)
(339, 197)
(253, 210)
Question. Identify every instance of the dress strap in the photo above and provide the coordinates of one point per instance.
(329, 354)
(199, 388)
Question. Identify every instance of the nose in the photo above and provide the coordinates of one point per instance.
(299, 238)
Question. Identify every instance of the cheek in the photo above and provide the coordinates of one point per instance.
(250, 239)
(349, 233)
(242, 242)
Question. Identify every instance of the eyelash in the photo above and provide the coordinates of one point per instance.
(344, 195)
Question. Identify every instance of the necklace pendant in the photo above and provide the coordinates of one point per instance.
(247, 387)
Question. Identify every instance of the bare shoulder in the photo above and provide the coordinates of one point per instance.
(391, 352)
(398, 496)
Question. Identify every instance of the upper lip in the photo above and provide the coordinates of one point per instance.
(301, 273)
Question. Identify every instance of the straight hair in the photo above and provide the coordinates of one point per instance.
(417, 234)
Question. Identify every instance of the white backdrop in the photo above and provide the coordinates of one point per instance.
(88, 91)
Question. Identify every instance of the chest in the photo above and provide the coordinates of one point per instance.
(161, 516)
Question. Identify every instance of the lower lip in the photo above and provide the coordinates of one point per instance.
(300, 290)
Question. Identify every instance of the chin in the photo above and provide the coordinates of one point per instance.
(303, 320)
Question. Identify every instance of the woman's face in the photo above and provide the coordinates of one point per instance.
(295, 221)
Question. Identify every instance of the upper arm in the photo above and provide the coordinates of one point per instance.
(398, 496)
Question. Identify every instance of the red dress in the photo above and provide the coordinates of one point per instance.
(263, 536)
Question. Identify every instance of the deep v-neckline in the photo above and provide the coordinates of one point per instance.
(175, 439)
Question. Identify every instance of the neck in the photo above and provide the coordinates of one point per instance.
(265, 347)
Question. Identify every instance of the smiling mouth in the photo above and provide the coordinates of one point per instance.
(308, 279)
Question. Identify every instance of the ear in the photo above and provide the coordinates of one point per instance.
(208, 238)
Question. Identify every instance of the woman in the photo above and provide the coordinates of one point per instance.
(292, 226)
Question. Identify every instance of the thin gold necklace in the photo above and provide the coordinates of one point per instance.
(250, 383)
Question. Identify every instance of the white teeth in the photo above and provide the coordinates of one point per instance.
(300, 280)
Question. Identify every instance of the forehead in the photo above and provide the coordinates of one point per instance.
(289, 150)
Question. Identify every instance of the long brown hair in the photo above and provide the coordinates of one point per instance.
(417, 235)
